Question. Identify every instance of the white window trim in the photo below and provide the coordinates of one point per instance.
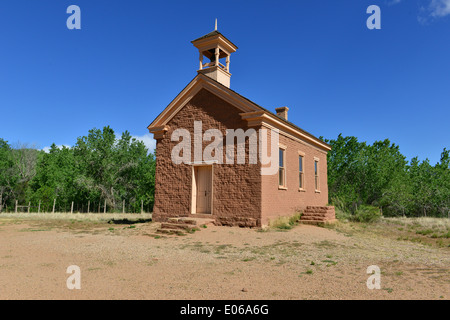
(284, 148)
(303, 188)
(317, 190)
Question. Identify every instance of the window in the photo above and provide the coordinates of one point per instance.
(316, 174)
(301, 183)
(282, 169)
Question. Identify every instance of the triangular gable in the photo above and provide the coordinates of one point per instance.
(253, 113)
(198, 83)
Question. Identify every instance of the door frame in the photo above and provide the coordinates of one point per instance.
(193, 209)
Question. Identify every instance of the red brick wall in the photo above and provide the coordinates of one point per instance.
(241, 196)
(236, 188)
(279, 202)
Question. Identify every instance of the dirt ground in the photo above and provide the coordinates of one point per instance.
(127, 260)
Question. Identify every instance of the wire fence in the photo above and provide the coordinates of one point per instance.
(100, 206)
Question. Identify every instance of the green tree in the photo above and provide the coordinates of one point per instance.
(8, 178)
(442, 185)
(55, 175)
(114, 169)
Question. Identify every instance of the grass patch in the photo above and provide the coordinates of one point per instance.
(330, 262)
(364, 213)
(248, 259)
(325, 244)
(285, 223)
(34, 230)
(424, 230)
(94, 269)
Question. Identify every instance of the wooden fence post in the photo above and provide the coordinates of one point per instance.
(54, 203)
(29, 205)
(39, 207)
(71, 208)
(104, 209)
(89, 203)
(15, 210)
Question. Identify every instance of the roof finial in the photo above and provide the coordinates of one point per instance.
(215, 29)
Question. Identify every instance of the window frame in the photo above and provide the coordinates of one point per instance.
(301, 174)
(316, 175)
(283, 186)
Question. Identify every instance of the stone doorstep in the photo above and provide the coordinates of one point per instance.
(193, 221)
(184, 224)
(317, 219)
(318, 211)
(181, 221)
(318, 222)
(198, 221)
(170, 231)
(315, 215)
(307, 214)
(180, 226)
(320, 207)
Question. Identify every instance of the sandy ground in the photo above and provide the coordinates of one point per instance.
(123, 261)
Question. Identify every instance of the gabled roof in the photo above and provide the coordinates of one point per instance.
(250, 110)
(283, 120)
(212, 34)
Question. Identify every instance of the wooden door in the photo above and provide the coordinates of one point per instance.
(203, 192)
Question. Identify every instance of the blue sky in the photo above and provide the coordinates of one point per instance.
(131, 58)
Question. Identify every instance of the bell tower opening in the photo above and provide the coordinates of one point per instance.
(217, 48)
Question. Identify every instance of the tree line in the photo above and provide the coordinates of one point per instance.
(378, 175)
(99, 169)
(103, 168)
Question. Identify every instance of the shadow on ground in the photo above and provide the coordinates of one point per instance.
(128, 221)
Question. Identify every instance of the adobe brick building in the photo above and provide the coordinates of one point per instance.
(234, 193)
